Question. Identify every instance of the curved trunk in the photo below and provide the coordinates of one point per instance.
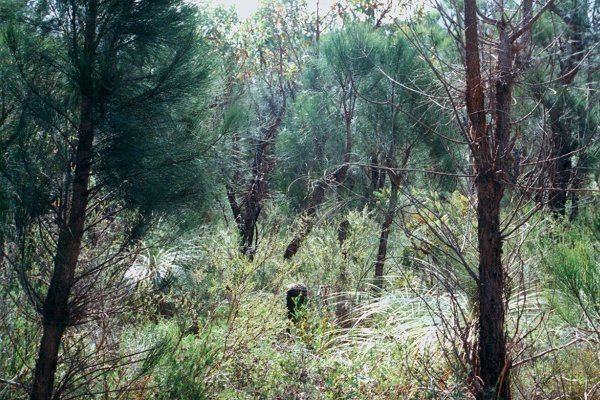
(306, 221)
(250, 208)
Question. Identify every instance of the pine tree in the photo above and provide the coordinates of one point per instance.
(111, 98)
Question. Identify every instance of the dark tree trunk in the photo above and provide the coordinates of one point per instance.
(55, 312)
(384, 236)
(494, 367)
(317, 197)
(257, 191)
(246, 210)
(490, 154)
(2, 250)
(377, 179)
(574, 206)
(561, 169)
(563, 141)
(308, 215)
(388, 218)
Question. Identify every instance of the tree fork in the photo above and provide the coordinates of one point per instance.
(489, 153)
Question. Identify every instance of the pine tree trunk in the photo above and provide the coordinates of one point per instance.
(55, 312)
(561, 165)
(384, 236)
(318, 195)
(306, 221)
(492, 343)
(563, 141)
(490, 157)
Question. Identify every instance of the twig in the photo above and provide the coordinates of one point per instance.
(543, 353)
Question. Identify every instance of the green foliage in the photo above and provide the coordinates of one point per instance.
(149, 96)
(574, 274)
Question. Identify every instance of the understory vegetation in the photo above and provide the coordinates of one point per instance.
(208, 323)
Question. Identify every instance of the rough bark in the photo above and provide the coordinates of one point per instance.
(246, 210)
(489, 153)
(257, 191)
(494, 366)
(55, 312)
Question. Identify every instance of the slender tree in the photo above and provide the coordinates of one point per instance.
(493, 41)
(338, 63)
(111, 117)
(274, 43)
(571, 121)
(491, 141)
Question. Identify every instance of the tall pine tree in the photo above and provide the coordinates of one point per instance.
(110, 95)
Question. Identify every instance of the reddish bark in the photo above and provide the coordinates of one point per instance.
(489, 152)
(56, 313)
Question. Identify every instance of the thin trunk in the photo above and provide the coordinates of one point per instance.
(56, 313)
(337, 178)
(562, 140)
(561, 165)
(391, 211)
(377, 180)
(237, 177)
(2, 251)
(574, 206)
(317, 197)
(308, 215)
(384, 236)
